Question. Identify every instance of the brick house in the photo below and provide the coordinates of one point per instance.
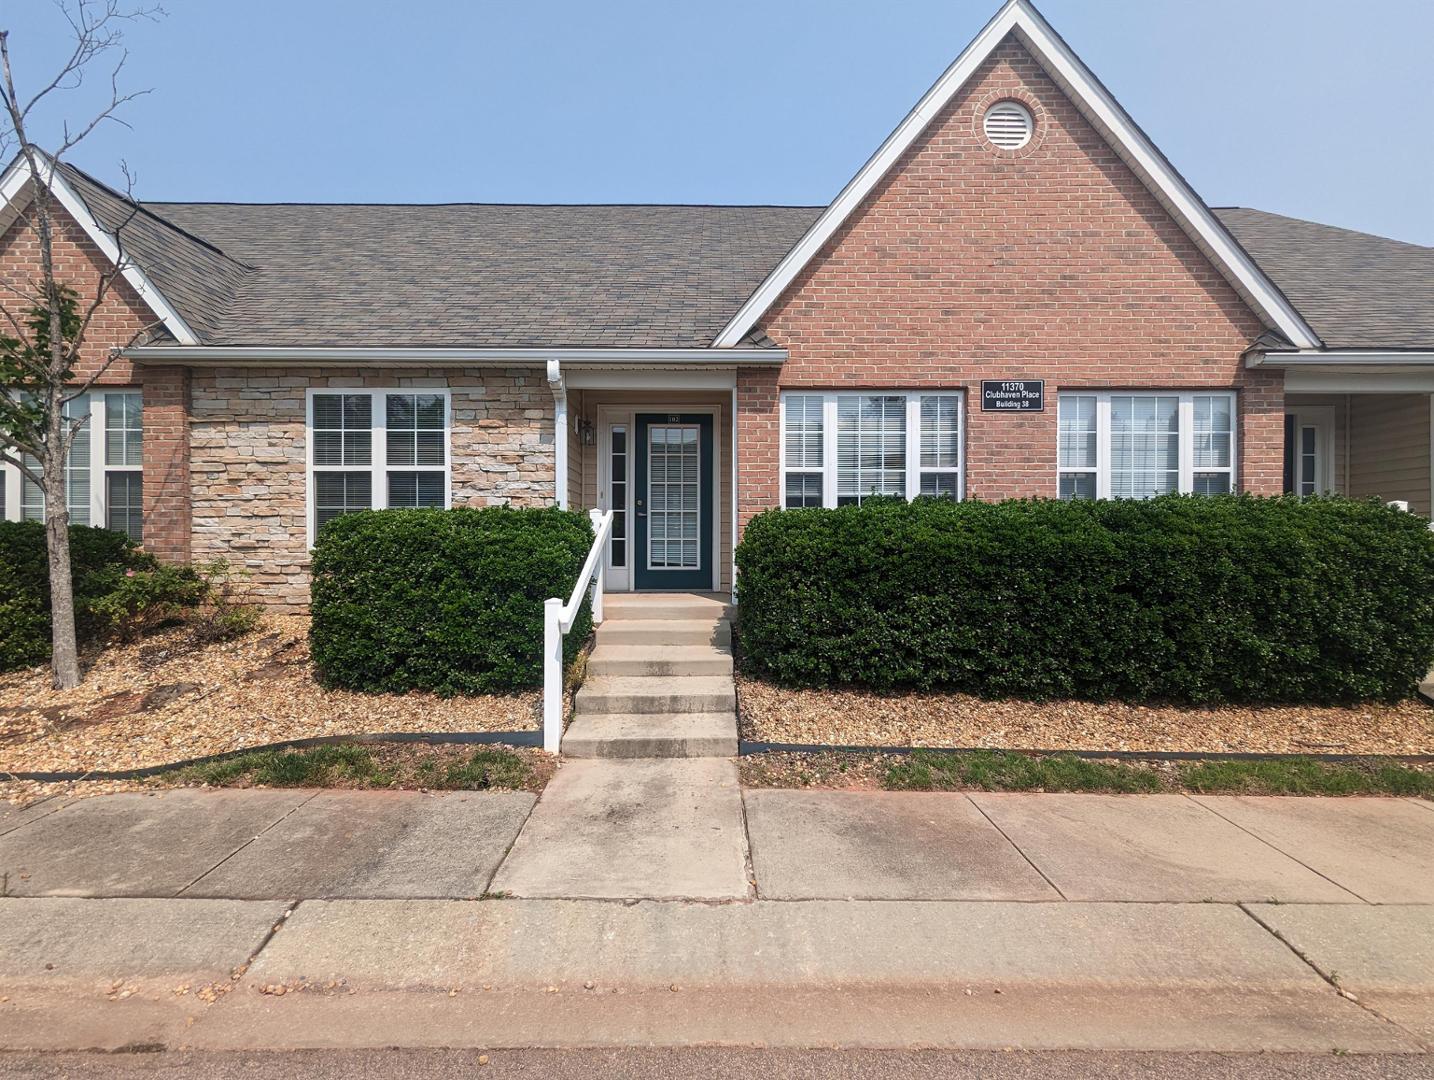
(1017, 295)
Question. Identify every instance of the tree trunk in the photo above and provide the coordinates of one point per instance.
(64, 653)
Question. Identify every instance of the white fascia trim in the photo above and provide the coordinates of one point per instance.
(227, 354)
(1342, 358)
(12, 186)
(1093, 100)
(652, 379)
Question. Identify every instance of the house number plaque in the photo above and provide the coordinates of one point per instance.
(1023, 395)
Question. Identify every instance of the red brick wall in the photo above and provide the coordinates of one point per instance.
(1051, 262)
(167, 485)
(79, 263)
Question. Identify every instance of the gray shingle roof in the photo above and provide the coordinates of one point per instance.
(1356, 290)
(198, 279)
(491, 275)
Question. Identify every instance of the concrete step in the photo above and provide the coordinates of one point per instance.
(652, 735)
(665, 632)
(659, 660)
(665, 606)
(645, 694)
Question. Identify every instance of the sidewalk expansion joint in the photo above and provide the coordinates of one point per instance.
(56, 808)
(268, 937)
(749, 863)
(1331, 980)
(1273, 847)
(1018, 849)
(488, 884)
(267, 828)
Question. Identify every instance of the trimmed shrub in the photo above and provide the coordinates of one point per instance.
(99, 559)
(1189, 599)
(138, 601)
(444, 600)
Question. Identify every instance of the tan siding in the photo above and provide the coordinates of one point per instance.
(1389, 448)
(578, 496)
(658, 401)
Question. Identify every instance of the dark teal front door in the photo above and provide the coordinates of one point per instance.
(672, 501)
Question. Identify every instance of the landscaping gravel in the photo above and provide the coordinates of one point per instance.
(769, 713)
(168, 699)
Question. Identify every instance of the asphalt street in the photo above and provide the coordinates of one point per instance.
(713, 1063)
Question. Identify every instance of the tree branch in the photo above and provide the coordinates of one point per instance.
(30, 474)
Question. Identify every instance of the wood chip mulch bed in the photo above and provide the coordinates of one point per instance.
(168, 699)
(774, 714)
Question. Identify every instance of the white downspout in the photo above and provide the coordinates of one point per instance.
(732, 581)
(560, 432)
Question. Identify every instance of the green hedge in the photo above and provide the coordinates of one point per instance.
(99, 560)
(1192, 599)
(444, 600)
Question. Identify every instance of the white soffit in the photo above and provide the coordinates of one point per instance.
(1102, 111)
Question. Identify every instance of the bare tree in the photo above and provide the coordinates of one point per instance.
(44, 321)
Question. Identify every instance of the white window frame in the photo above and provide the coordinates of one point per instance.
(1321, 419)
(100, 418)
(378, 467)
(94, 431)
(914, 470)
(1186, 437)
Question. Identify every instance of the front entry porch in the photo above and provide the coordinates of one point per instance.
(1364, 445)
(662, 461)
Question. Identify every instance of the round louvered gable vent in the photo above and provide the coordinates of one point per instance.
(1009, 125)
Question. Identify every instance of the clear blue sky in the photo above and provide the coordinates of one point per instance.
(1315, 108)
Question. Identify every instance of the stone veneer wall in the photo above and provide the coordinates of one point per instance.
(247, 458)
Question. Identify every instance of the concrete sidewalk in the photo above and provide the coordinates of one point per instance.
(103, 974)
(232, 919)
(685, 830)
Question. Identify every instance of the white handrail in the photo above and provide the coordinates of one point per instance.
(558, 621)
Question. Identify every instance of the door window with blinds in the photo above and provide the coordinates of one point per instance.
(674, 496)
(376, 449)
(104, 479)
(841, 448)
(1137, 446)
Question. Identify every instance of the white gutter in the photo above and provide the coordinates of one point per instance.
(560, 432)
(228, 354)
(1345, 357)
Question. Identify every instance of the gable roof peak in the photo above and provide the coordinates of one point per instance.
(1021, 19)
(58, 177)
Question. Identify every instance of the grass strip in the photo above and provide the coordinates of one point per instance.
(1305, 776)
(998, 770)
(346, 765)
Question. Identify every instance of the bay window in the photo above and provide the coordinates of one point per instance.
(104, 480)
(840, 448)
(1137, 446)
(371, 449)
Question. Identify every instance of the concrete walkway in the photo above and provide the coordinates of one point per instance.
(683, 829)
(231, 919)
